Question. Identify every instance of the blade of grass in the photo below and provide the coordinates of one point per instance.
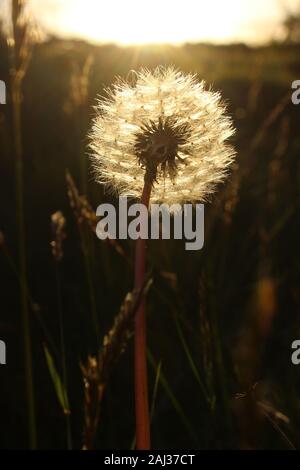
(57, 382)
(178, 408)
(34, 308)
(63, 352)
(191, 361)
(156, 383)
(265, 409)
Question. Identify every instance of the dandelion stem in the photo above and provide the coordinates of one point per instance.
(141, 382)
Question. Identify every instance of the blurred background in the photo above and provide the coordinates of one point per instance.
(220, 321)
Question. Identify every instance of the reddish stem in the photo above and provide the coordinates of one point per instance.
(141, 383)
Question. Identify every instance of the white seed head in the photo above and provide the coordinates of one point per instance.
(165, 127)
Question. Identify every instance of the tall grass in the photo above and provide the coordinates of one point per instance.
(20, 58)
(207, 357)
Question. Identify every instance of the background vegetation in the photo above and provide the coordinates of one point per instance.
(221, 321)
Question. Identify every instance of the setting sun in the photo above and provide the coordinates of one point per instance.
(136, 22)
(156, 21)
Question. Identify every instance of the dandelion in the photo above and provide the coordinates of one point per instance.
(162, 138)
(168, 126)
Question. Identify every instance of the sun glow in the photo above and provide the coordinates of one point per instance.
(160, 21)
(155, 21)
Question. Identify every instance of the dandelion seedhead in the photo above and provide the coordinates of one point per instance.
(165, 128)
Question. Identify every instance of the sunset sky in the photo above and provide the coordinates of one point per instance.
(171, 21)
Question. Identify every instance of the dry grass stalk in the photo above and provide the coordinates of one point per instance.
(76, 105)
(79, 85)
(97, 371)
(58, 225)
(20, 51)
(85, 214)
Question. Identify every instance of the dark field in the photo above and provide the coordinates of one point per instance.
(221, 321)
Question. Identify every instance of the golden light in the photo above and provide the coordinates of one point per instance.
(161, 21)
(155, 21)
